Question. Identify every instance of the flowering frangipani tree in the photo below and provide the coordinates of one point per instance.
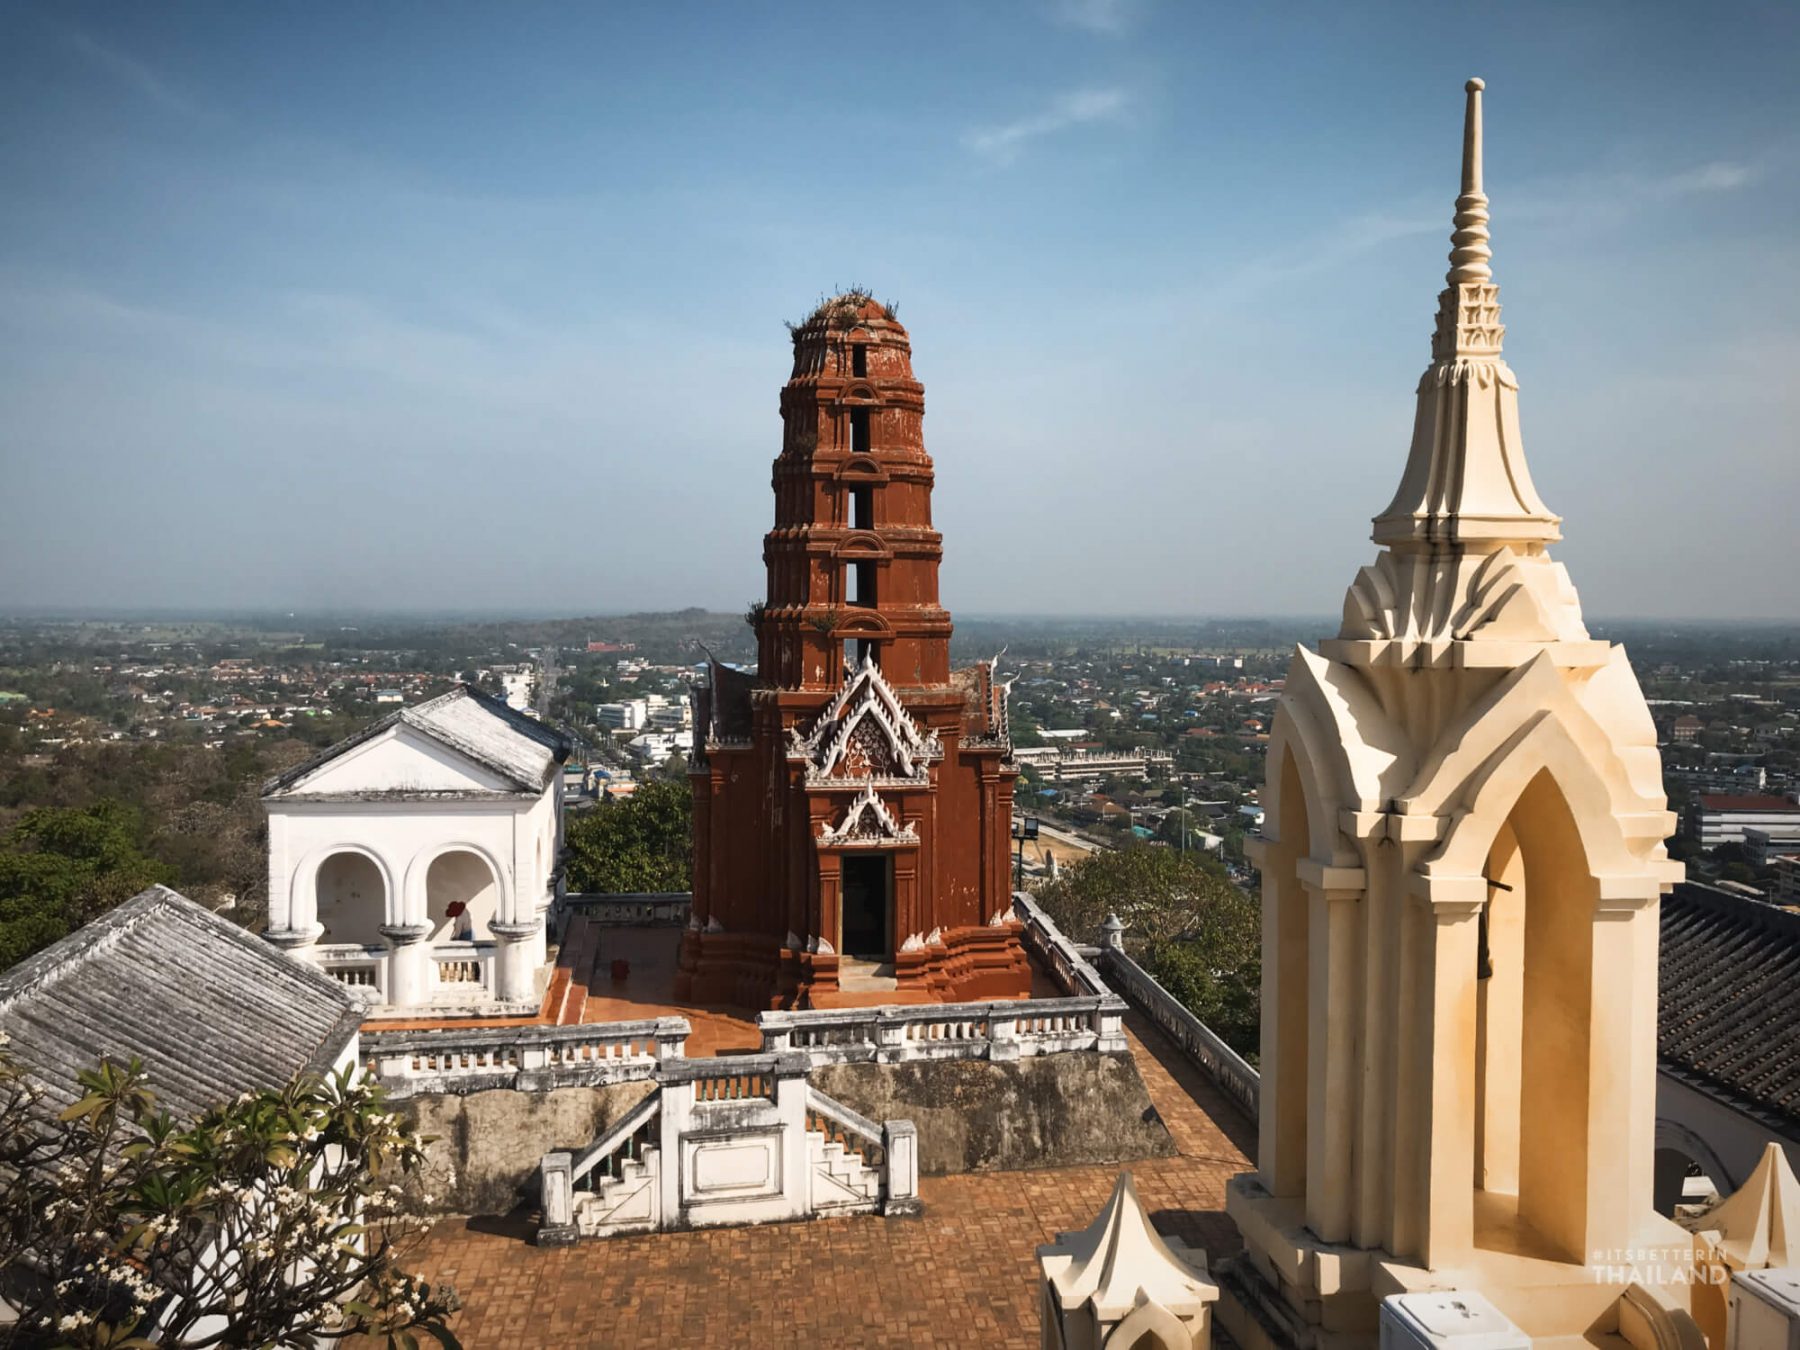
(274, 1220)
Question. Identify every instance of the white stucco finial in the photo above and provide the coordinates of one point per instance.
(1469, 253)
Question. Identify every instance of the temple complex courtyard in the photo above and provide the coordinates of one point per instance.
(963, 1274)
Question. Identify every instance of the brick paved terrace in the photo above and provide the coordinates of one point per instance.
(965, 1274)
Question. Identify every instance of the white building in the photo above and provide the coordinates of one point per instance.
(415, 861)
(655, 747)
(1719, 818)
(627, 716)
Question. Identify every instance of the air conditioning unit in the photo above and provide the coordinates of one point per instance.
(1765, 1309)
(1449, 1318)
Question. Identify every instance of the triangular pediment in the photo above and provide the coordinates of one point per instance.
(401, 760)
(867, 820)
(865, 732)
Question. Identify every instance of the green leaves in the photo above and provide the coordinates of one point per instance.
(644, 843)
(121, 1208)
(1196, 932)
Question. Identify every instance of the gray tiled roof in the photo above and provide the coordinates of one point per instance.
(1730, 1001)
(520, 749)
(212, 1010)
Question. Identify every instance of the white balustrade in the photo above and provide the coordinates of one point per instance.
(1002, 1030)
(529, 1058)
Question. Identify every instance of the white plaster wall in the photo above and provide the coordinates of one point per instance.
(403, 838)
(1736, 1140)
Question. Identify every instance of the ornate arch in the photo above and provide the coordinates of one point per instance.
(865, 623)
(862, 546)
(1347, 751)
(862, 469)
(1546, 745)
(1678, 1138)
(305, 881)
(420, 866)
(1152, 1320)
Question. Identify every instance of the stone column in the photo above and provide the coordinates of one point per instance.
(515, 949)
(1453, 905)
(557, 1192)
(1621, 1068)
(408, 963)
(299, 943)
(900, 1143)
(1333, 1071)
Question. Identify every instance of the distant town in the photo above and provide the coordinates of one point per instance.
(1150, 731)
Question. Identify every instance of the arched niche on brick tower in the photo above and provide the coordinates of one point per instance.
(864, 633)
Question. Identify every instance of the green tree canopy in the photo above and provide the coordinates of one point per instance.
(60, 867)
(1186, 922)
(272, 1220)
(643, 843)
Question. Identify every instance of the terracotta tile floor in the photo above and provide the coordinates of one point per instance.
(963, 1275)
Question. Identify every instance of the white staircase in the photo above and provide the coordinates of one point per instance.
(729, 1141)
(841, 1181)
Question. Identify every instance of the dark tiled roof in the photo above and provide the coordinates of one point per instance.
(1728, 1020)
(212, 1010)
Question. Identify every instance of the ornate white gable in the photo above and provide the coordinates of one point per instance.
(865, 733)
(867, 820)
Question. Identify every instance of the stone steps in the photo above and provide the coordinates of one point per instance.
(567, 996)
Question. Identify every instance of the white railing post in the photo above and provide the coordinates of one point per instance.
(557, 1190)
(1109, 1026)
(890, 1037)
(1003, 1034)
(900, 1148)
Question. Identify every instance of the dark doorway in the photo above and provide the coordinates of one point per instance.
(866, 925)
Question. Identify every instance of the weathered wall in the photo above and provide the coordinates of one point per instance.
(488, 1144)
(978, 1116)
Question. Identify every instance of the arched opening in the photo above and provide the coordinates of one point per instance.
(1533, 1030)
(1281, 1145)
(462, 896)
(1683, 1185)
(352, 899)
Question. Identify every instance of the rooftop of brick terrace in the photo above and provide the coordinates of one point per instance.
(964, 1274)
(583, 989)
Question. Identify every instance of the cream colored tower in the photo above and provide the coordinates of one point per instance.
(1461, 868)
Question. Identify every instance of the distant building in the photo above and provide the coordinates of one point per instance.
(1720, 818)
(631, 715)
(389, 696)
(1062, 764)
(1785, 890)
(1685, 728)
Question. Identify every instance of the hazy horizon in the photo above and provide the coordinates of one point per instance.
(413, 310)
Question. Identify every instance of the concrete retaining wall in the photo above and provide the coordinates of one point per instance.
(488, 1144)
(978, 1116)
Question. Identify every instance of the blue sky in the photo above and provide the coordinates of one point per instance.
(480, 306)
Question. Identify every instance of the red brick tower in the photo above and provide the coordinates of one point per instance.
(852, 800)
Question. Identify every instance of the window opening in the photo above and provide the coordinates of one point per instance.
(859, 360)
(859, 431)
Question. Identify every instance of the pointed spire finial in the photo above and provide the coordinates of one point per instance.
(1470, 252)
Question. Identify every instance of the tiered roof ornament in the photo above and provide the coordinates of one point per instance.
(1119, 1281)
(865, 732)
(1466, 530)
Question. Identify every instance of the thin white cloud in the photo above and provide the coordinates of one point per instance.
(1078, 108)
(131, 72)
(1110, 17)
